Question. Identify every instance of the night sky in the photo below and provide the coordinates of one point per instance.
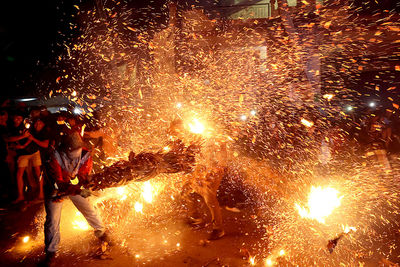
(28, 34)
(32, 34)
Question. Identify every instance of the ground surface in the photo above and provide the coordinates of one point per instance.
(166, 240)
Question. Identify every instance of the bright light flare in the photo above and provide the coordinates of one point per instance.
(122, 192)
(281, 252)
(372, 104)
(243, 117)
(138, 207)
(77, 111)
(347, 229)
(196, 127)
(147, 193)
(25, 239)
(252, 260)
(307, 123)
(80, 222)
(268, 262)
(321, 203)
(178, 105)
(253, 112)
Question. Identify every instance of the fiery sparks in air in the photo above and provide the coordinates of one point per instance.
(321, 203)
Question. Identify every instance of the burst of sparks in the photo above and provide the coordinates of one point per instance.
(25, 239)
(196, 126)
(80, 223)
(321, 203)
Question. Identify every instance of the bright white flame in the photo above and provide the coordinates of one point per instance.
(178, 105)
(25, 239)
(372, 104)
(349, 108)
(243, 117)
(282, 252)
(196, 126)
(147, 193)
(178, 245)
(307, 123)
(321, 203)
(80, 222)
(252, 260)
(166, 148)
(73, 93)
(253, 113)
(138, 207)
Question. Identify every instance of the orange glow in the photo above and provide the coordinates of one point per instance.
(321, 203)
(196, 126)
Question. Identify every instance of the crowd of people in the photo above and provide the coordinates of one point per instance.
(43, 156)
(27, 138)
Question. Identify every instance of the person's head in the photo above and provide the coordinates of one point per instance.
(72, 145)
(17, 119)
(35, 113)
(39, 125)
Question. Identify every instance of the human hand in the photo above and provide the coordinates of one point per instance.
(26, 134)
